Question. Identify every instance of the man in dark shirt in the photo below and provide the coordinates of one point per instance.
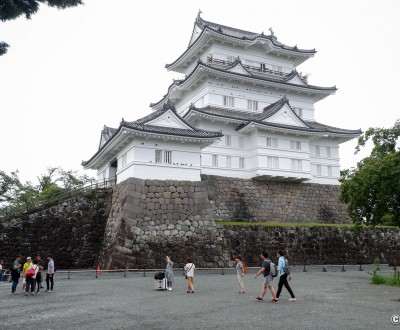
(265, 269)
(39, 276)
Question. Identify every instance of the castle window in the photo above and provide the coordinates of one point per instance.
(228, 161)
(295, 145)
(272, 142)
(158, 156)
(252, 105)
(229, 101)
(317, 151)
(123, 160)
(318, 169)
(296, 164)
(215, 160)
(163, 156)
(241, 162)
(328, 152)
(167, 157)
(329, 170)
(228, 140)
(241, 141)
(272, 162)
(298, 111)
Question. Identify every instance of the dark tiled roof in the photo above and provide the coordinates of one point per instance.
(140, 126)
(248, 118)
(283, 82)
(242, 34)
(106, 134)
(171, 130)
(239, 34)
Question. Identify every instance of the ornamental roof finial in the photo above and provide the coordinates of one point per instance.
(271, 31)
(199, 13)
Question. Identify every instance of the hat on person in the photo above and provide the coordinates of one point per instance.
(29, 258)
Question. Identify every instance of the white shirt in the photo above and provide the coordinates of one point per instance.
(189, 268)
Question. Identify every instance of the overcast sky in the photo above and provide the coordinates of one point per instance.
(67, 73)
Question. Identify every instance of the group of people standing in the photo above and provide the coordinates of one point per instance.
(282, 269)
(32, 274)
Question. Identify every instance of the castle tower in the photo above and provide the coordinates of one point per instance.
(245, 85)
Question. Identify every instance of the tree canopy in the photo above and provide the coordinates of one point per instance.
(372, 189)
(54, 183)
(12, 9)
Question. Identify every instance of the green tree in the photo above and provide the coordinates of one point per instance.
(12, 9)
(9, 186)
(372, 189)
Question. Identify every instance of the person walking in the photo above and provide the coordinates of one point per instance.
(50, 274)
(284, 275)
(240, 273)
(265, 270)
(169, 272)
(189, 274)
(39, 276)
(31, 278)
(15, 274)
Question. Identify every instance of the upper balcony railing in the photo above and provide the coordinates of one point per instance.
(260, 71)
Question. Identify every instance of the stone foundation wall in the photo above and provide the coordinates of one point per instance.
(141, 221)
(72, 231)
(314, 245)
(152, 218)
(267, 201)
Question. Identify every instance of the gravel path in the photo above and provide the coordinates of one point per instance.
(325, 300)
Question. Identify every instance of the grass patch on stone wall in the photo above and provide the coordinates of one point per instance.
(290, 224)
(281, 224)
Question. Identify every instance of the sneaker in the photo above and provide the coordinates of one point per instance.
(38, 292)
(49, 291)
(32, 293)
(259, 299)
(169, 289)
(26, 293)
(292, 299)
(275, 300)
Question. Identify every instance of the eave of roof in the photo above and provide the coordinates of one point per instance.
(139, 127)
(200, 64)
(245, 36)
(249, 118)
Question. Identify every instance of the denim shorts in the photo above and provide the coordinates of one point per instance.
(268, 280)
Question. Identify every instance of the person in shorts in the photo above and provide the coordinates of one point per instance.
(265, 270)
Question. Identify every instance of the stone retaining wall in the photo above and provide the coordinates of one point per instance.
(71, 231)
(267, 201)
(152, 218)
(314, 245)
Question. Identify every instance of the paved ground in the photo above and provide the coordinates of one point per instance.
(330, 300)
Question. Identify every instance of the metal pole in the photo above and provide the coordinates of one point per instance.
(343, 270)
(360, 269)
(304, 269)
(222, 271)
(69, 273)
(324, 269)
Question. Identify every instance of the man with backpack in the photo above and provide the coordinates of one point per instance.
(268, 269)
(284, 274)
